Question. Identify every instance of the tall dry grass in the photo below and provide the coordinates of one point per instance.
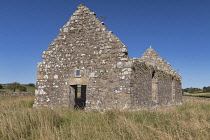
(19, 121)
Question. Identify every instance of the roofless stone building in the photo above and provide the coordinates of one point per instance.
(88, 67)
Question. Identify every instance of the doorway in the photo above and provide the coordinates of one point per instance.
(80, 96)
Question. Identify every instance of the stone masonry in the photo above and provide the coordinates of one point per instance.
(88, 67)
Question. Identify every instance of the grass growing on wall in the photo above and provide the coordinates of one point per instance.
(18, 120)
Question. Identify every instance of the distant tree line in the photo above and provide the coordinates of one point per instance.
(206, 89)
(195, 90)
(16, 86)
(31, 85)
(191, 90)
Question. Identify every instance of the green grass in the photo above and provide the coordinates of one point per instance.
(204, 95)
(18, 120)
(29, 89)
(4, 90)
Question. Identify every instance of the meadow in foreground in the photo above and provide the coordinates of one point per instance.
(18, 120)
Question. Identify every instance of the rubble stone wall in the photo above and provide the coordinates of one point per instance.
(83, 44)
(142, 87)
(112, 79)
(150, 57)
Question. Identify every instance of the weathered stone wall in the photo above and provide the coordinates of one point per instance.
(141, 86)
(142, 80)
(150, 57)
(165, 93)
(168, 80)
(84, 44)
(178, 92)
(112, 79)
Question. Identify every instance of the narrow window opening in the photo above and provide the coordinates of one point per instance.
(173, 89)
(154, 88)
(153, 74)
(78, 73)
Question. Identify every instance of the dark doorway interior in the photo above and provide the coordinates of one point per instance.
(80, 96)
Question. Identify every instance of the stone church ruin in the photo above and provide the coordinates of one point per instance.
(88, 67)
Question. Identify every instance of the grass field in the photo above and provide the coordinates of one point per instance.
(18, 120)
(205, 95)
(29, 89)
(4, 90)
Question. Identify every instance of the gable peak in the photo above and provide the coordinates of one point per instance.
(150, 49)
(81, 6)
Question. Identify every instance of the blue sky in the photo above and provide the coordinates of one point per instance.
(178, 30)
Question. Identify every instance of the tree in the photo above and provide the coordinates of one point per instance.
(206, 89)
(1, 87)
(31, 85)
(22, 88)
(13, 86)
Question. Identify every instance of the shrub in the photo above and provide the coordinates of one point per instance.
(22, 88)
(1, 87)
(206, 89)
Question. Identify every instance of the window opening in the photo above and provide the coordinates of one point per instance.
(173, 90)
(153, 74)
(78, 73)
(154, 88)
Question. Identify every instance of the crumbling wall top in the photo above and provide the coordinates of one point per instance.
(150, 57)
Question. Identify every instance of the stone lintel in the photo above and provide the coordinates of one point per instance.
(78, 81)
